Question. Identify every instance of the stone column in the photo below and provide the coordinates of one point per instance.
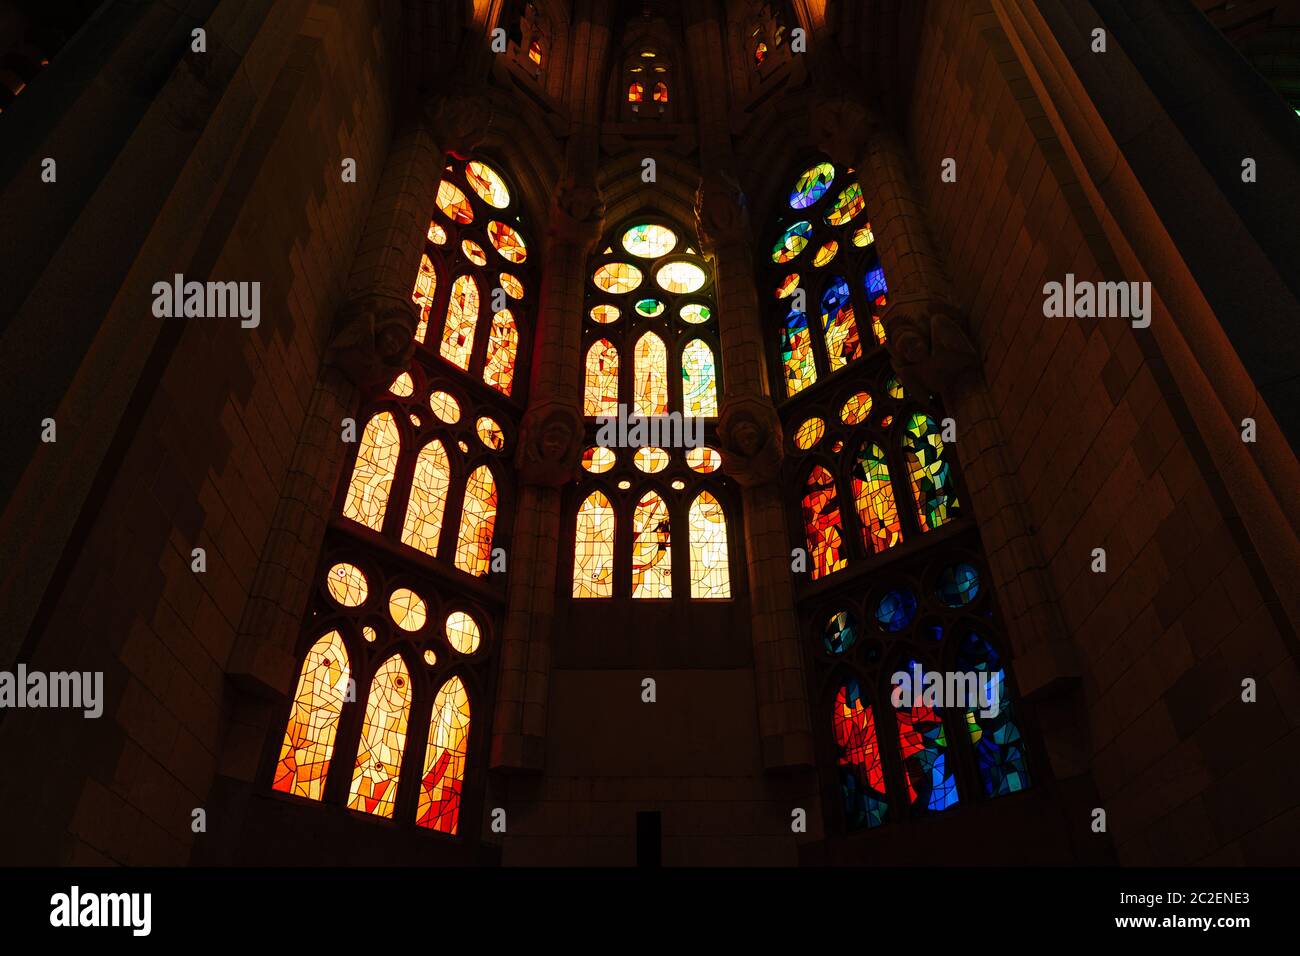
(549, 451)
(749, 432)
(929, 348)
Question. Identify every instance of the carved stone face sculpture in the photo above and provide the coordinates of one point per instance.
(555, 439)
(392, 336)
(748, 437)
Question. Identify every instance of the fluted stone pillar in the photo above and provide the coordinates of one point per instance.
(749, 431)
(548, 455)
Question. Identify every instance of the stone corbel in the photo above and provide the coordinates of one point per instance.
(927, 343)
(578, 213)
(750, 440)
(375, 338)
(721, 211)
(460, 121)
(551, 440)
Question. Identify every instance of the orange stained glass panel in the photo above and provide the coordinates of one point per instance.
(428, 501)
(601, 392)
(372, 474)
(710, 571)
(444, 759)
(593, 552)
(462, 317)
(426, 284)
(454, 204)
(507, 241)
(652, 558)
(477, 523)
(383, 738)
(650, 376)
(314, 719)
(503, 342)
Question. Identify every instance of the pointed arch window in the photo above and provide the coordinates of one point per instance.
(394, 652)
(710, 570)
(822, 525)
(652, 555)
(593, 556)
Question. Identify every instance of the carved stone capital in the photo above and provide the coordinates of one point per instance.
(750, 440)
(550, 444)
(374, 338)
(578, 213)
(721, 210)
(460, 121)
(927, 342)
(843, 128)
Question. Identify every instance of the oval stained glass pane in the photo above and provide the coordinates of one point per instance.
(788, 285)
(705, 460)
(651, 460)
(490, 433)
(649, 241)
(958, 585)
(514, 288)
(847, 206)
(437, 235)
(650, 308)
(489, 185)
(445, 407)
(856, 409)
(812, 185)
(863, 236)
(825, 254)
(604, 314)
(463, 633)
(681, 277)
(347, 584)
(598, 459)
(809, 433)
(695, 314)
(617, 277)
(453, 203)
(473, 252)
(507, 241)
(792, 242)
(896, 610)
(407, 609)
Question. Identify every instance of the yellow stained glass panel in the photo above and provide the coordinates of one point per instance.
(710, 571)
(463, 632)
(477, 523)
(428, 501)
(462, 317)
(444, 759)
(314, 719)
(593, 553)
(487, 182)
(347, 584)
(372, 475)
(652, 557)
(383, 738)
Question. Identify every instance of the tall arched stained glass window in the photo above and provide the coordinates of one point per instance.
(650, 352)
(870, 473)
(418, 511)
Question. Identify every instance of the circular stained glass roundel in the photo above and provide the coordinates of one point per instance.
(445, 407)
(826, 253)
(649, 241)
(650, 308)
(347, 584)
(812, 185)
(598, 459)
(958, 584)
(696, 314)
(651, 460)
(856, 409)
(809, 433)
(792, 242)
(896, 610)
(604, 314)
(463, 632)
(490, 433)
(788, 285)
(617, 277)
(507, 241)
(514, 288)
(473, 252)
(681, 277)
(705, 460)
(489, 185)
(407, 609)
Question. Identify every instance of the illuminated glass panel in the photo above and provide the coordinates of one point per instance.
(593, 553)
(473, 252)
(703, 459)
(314, 719)
(862, 775)
(514, 288)
(825, 254)
(958, 584)
(707, 530)
(792, 242)
(407, 609)
(604, 314)
(661, 92)
(487, 182)
(787, 286)
(841, 632)
(462, 317)
(812, 185)
(695, 314)
(635, 93)
(463, 633)
(428, 499)
(896, 610)
(842, 343)
(652, 559)
(444, 759)
(347, 584)
(924, 749)
(650, 376)
(847, 206)
(425, 285)
(999, 747)
(436, 234)
(601, 392)
(699, 381)
(507, 241)
(797, 354)
(650, 460)
(503, 341)
(617, 277)
(477, 522)
(809, 433)
(822, 525)
(650, 308)
(490, 433)
(649, 241)
(873, 495)
(535, 52)
(681, 277)
(372, 475)
(383, 738)
(454, 204)
(403, 386)
(857, 409)
(446, 408)
(933, 483)
(598, 460)
(863, 236)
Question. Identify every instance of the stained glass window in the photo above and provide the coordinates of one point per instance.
(503, 341)
(601, 392)
(462, 317)
(425, 285)
(821, 520)
(699, 380)
(383, 739)
(617, 277)
(924, 749)
(453, 204)
(507, 241)
(652, 560)
(650, 376)
(681, 277)
(463, 632)
(842, 344)
(862, 777)
(999, 749)
(593, 556)
(474, 548)
(428, 500)
(812, 186)
(347, 584)
(661, 92)
(809, 433)
(314, 720)
(933, 486)
(444, 759)
(710, 573)
(704, 460)
(489, 185)
(372, 474)
(873, 495)
(797, 354)
(649, 241)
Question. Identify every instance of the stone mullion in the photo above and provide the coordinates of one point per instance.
(739, 324)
